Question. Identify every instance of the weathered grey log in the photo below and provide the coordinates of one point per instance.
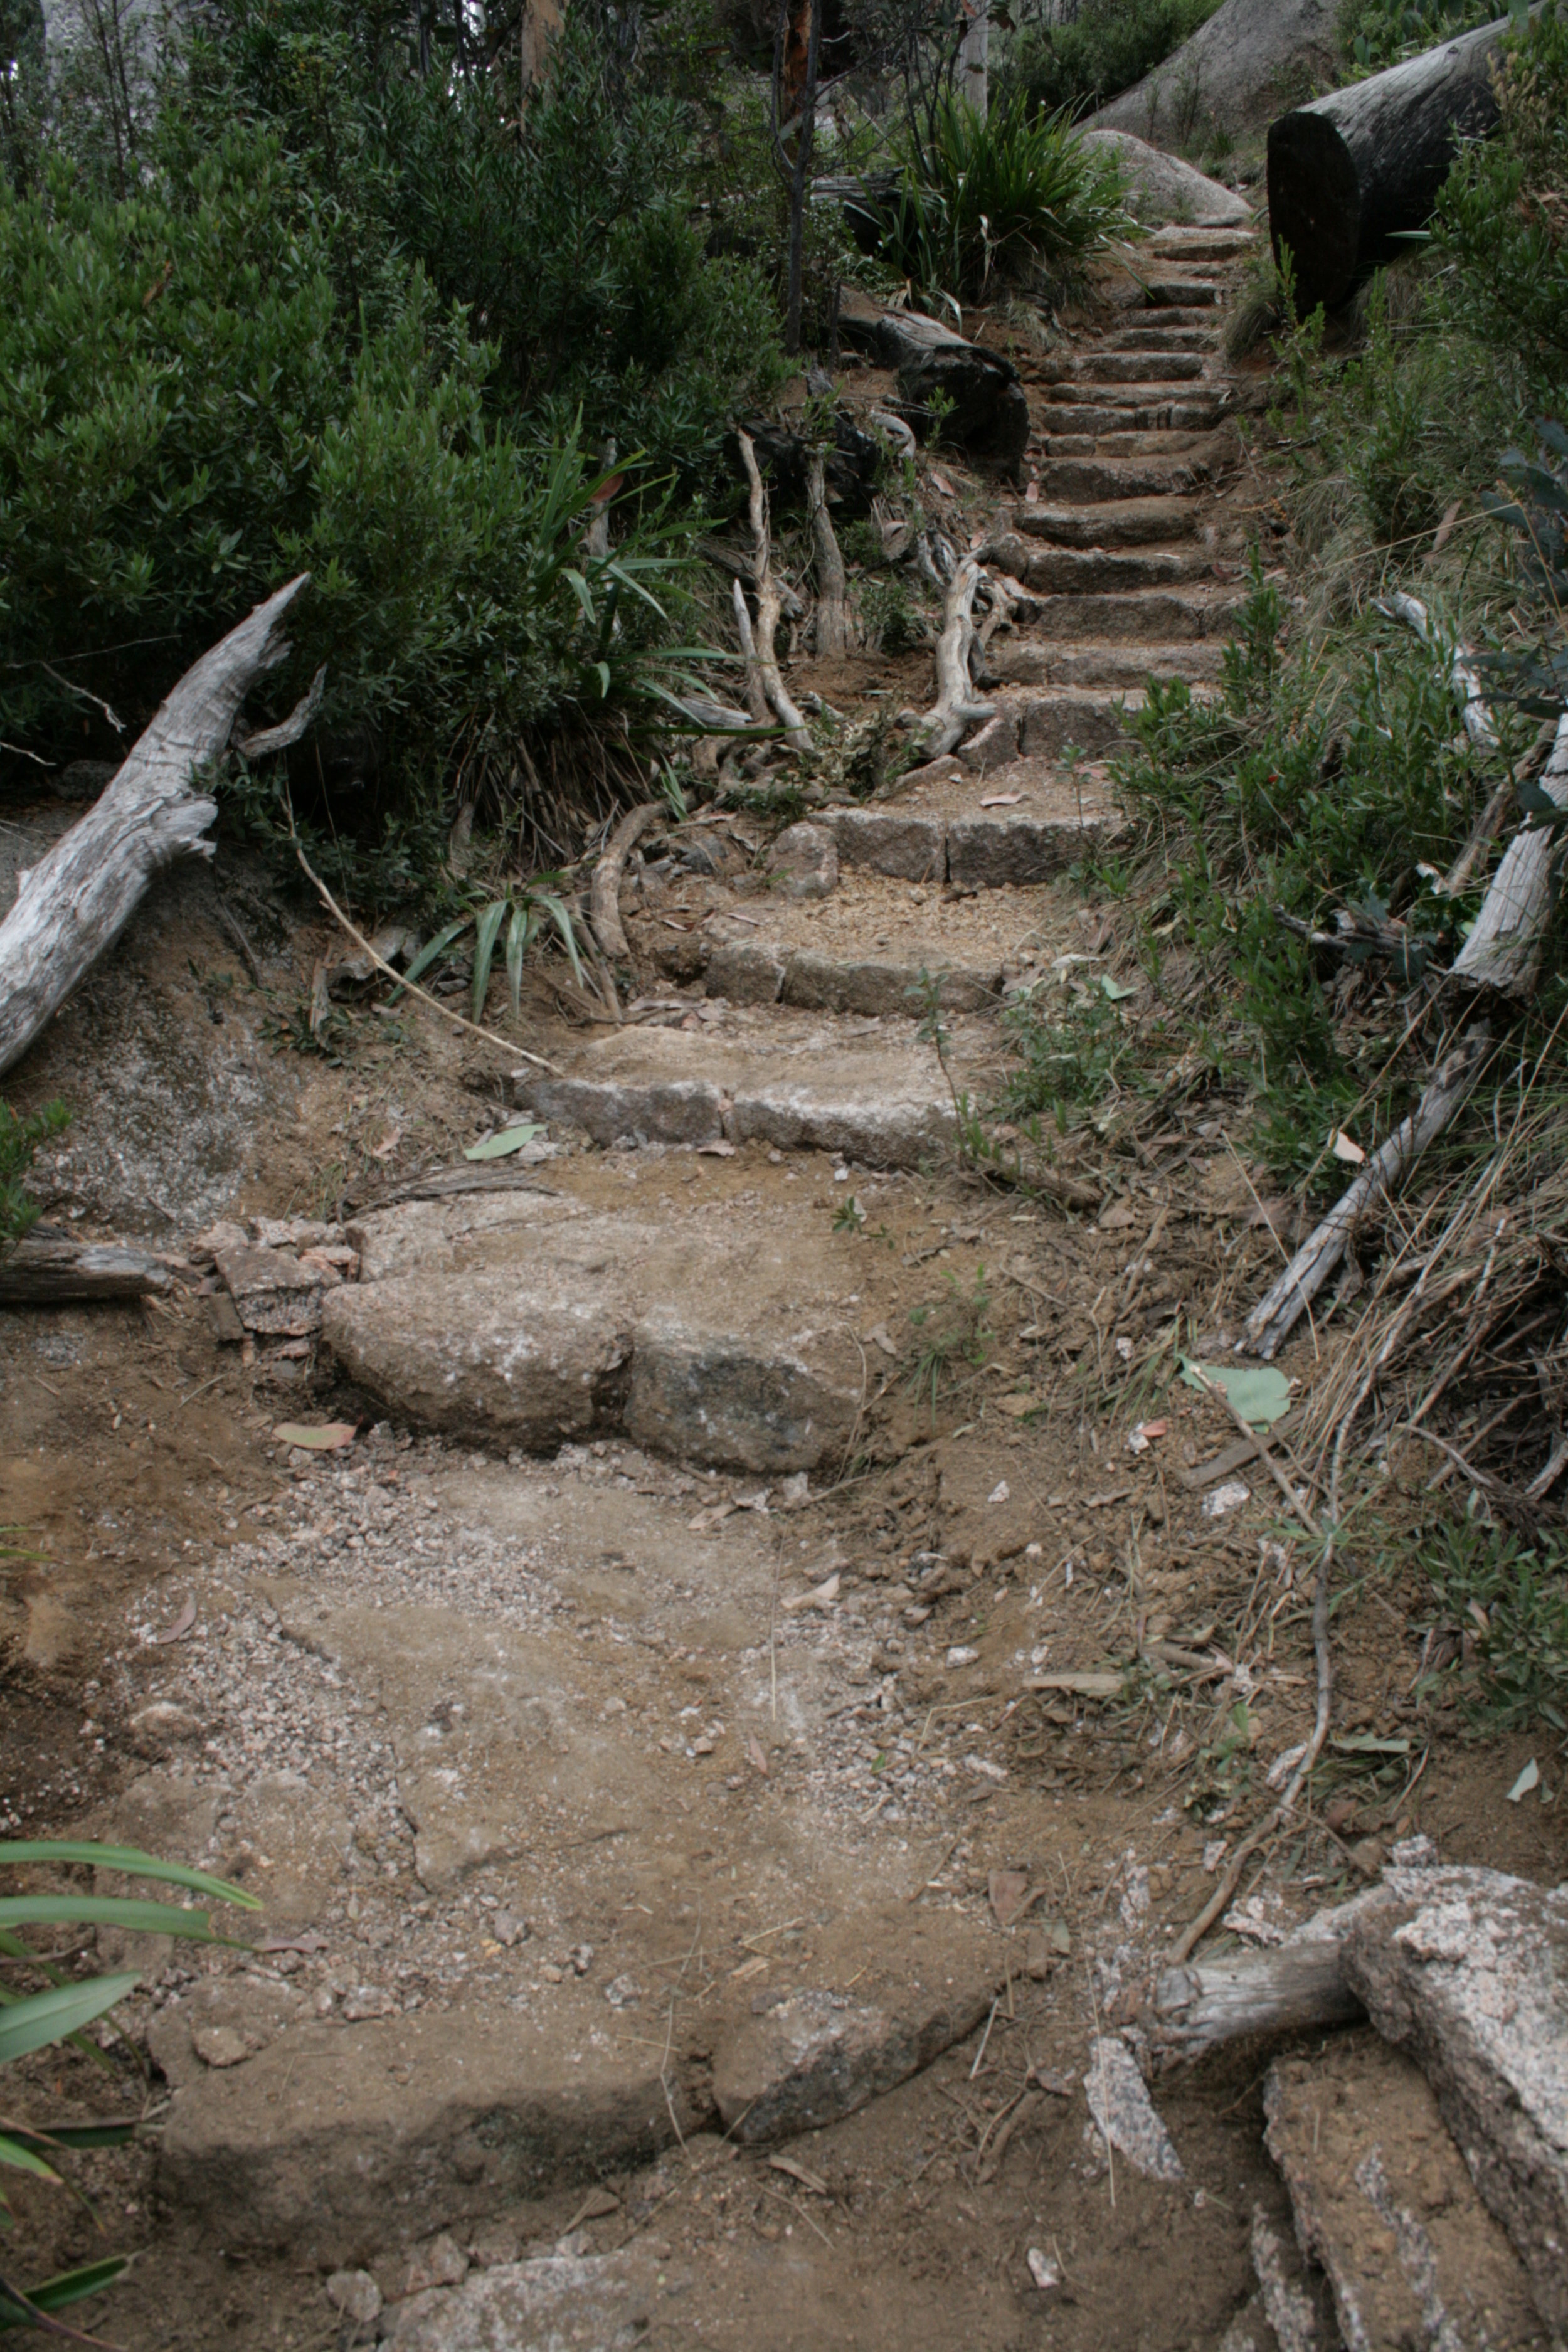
(1503, 951)
(604, 899)
(1475, 711)
(990, 411)
(1277, 1314)
(954, 711)
(1252, 57)
(1353, 173)
(44, 1272)
(1296, 1988)
(76, 901)
(1466, 1971)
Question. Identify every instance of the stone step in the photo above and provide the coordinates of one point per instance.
(1128, 522)
(1130, 667)
(1094, 571)
(1165, 339)
(1149, 619)
(1097, 481)
(1116, 401)
(1174, 293)
(1177, 243)
(792, 1083)
(719, 1346)
(1096, 422)
(1168, 321)
(938, 830)
(1165, 442)
(1161, 364)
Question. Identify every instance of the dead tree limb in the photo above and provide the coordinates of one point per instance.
(1503, 951)
(1277, 1314)
(40, 1271)
(1475, 712)
(605, 904)
(756, 690)
(76, 901)
(954, 711)
(833, 634)
(769, 605)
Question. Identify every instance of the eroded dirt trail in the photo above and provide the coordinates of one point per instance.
(636, 1799)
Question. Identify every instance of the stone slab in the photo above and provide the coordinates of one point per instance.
(1382, 2201)
(893, 841)
(556, 2302)
(817, 2056)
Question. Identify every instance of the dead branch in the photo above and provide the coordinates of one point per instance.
(769, 607)
(605, 897)
(1503, 951)
(835, 634)
(1277, 1314)
(76, 900)
(43, 1271)
(281, 739)
(952, 714)
(756, 690)
(1475, 712)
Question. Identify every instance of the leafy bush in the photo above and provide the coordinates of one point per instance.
(20, 1135)
(1008, 194)
(30, 2021)
(1378, 33)
(1508, 1601)
(1107, 47)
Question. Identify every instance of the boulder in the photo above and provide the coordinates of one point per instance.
(803, 862)
(1251, 60)
(1163, 189)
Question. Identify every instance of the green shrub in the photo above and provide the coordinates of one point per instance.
(20, 1135)
(1108, 46)
(1378, 33)
(1005, 195)
(1510, 1601)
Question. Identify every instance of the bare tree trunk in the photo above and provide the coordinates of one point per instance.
(833, 632)
(76, 901)
(975, 57)
(955, 710)
(804, 139)
(769, 606)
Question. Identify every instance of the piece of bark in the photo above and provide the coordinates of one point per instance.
(1503, 951)
(605, 906)
(955, 710)
(1277, 1314)
(76, 900)
(833, 634)
(1350, 175)
(43, 1272)
(1382, 2201)
(446, 1184)
(1466, 1971)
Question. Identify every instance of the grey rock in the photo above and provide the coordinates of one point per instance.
(803, 862)
(995, 745)
(986, 853)
(681, 1111)
(1163, 188)
(1120, 2102)
(357, 2294)
(1246, 64)
(822, 985)
(876, 1129)
(724, 1396)
(1467, 1971)
(440, 2261)
(745, 974)
(557, 2302)
(272, 1292)
(815, 2057)
(892, 840)
(1093, 723)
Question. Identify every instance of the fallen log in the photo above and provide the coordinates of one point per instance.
(41, 1271)
(1503, 951)
(990, 410)
(1355, 172)
(1277, 1314)
(763, 656)
(605, 902)
(76, 900)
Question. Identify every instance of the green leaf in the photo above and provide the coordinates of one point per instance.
(1261, 1394)
(109, 1911)
(18, 2158)
(67, 2287)
(1117, 989)
(486, 930)
(519, 932)
(558, 916)
(77, 2135)
(430, 951)
(505, 1139)
(131, 1862)
(45, 2017)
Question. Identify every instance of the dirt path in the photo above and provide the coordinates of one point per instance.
(640, 1798)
